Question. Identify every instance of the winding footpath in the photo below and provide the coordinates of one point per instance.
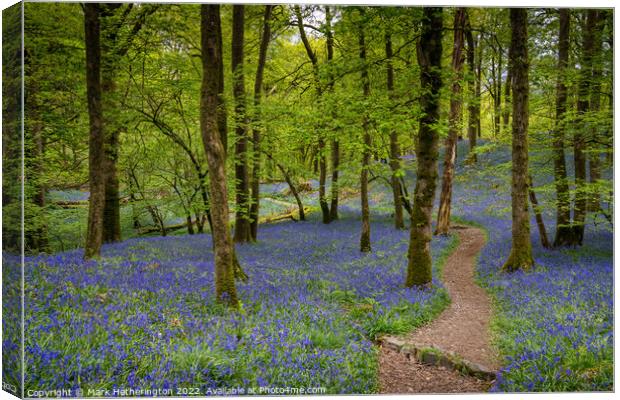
(461, 332)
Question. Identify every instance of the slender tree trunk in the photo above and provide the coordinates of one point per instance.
(579, 137)
(498, 93)
(333, 209)
(242, 218)
(322, 179)
(289, 181)
(225, 290)
(474, 101)
(111, 213)
(96, 201)
(319, 161)
(110, 57)
(365, 234)
(256, 128)
(479, 86)
(563, 230)
(521, 253)
(594, 203)
(395, 164)
(456, 101)
(429, 51)
(506, 115)
(544, 241)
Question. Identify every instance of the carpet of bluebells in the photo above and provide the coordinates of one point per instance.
(553, 325)
(144, 316)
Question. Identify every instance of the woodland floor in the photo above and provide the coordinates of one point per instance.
(463, 328)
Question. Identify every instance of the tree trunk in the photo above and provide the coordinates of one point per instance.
(594, 202)
(96, 177)
(521, 253)
(479, 86)
(333, 209)
(395, 164)
(419, 268)
(474, 101)
(322, 178)
(225, 290)
(563, 230)
(498, 93)
(579, 138)
(506, 115)
(319, 161)
(242, 218)
(544, 241)
(456, 100)
(365, 234)
(256, 129)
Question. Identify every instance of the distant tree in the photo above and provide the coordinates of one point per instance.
(521, 253)
(321, 159)
(225, 289)
(455, 119)
(419, 269)
(96, 175)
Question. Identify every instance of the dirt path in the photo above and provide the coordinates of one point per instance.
(462, 329)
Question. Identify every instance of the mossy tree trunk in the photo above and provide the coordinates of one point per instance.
(225, 290)
(455, 120)
(96, 176)
(242, 192)
(429, 51)
(521, 253)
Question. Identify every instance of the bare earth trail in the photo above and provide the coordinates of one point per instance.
(463, 329)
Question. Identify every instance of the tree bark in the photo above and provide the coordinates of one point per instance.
(329, 39)
(579, 137)
(429, 51)
(242, 217)
(225, 290)
(395, 164)
(594, 202)
(96, 201)
(563, 230)
(506, 114)
(256, 128)
(479, 85)
(521, 253)
(474, 101)
(456, 100)
(365, 234)
(544, 241)
(498, 93)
